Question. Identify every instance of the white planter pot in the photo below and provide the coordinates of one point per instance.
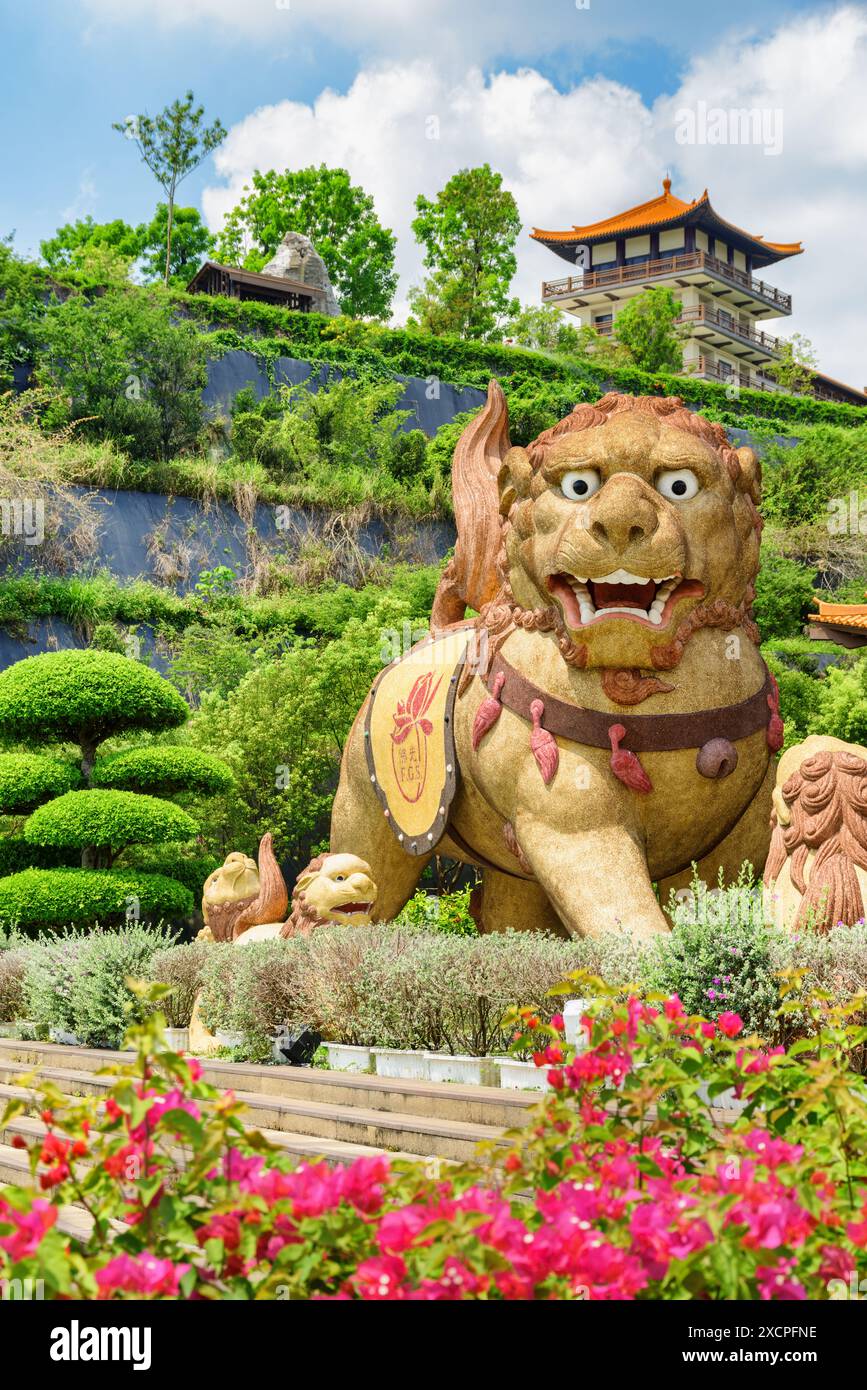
(57, 1035)
(227, 1038)
(573, 1011)
(178, 1039)
(472, 1071)
(400, 1062)
(522, 1076)
(726, 1100)
(344, 1057)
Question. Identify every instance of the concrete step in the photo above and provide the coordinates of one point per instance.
(300, 1146)
(484, 1105)
(321, 1123)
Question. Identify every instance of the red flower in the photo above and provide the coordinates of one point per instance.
(730, 1024)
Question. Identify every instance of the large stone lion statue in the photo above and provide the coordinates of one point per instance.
(816, 874)
(612, 719)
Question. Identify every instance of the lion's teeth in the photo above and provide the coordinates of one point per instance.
(655, 616)
(622, 577)
(588, 612)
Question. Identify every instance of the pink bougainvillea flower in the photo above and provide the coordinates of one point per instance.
(730, 1024)
(29, 1227)
(775, 1282)
(142, 1274)
(381, 1277)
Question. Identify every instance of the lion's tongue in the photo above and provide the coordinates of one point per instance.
(623, 595)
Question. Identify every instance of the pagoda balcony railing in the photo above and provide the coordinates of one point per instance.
(589, 280)
(727, 323)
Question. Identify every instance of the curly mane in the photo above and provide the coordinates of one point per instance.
(303, 920)
(827, 800)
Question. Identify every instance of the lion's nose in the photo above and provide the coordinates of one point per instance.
(622, 516)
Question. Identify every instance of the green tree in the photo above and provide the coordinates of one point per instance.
(338, 217)
(795, 368)
(123, 364)
(543, 327)
(646, 327)
(468, 232)
(23, 289)
(191, 242)
(172, 145)
(79, 247)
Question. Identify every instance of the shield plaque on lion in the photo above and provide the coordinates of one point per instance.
(409, 739)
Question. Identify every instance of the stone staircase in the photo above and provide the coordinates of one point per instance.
(308, 1112)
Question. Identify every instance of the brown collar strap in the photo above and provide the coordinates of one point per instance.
(645, 733)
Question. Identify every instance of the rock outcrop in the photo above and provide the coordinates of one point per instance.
(296, 258)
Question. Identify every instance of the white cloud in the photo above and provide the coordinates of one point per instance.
(578, 155)
(560, 154)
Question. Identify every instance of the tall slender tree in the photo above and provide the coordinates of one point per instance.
(468, 233)
(172, 145)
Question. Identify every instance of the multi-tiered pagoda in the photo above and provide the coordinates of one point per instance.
(711, 265)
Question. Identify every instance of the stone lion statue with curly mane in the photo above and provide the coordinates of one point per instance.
(606, 719)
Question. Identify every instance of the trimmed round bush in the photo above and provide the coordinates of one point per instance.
(108, 820)
(28, 779)
(54, 897)
(163, 771)
(191, 871)
(64, 695)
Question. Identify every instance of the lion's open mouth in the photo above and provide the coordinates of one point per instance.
(620, 595)
(352, 908)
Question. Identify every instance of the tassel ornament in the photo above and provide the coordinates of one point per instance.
(543, 745)
(489, 711)
(626, 765)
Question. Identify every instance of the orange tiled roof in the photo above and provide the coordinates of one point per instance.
(665, 208)
(856, 620)
(852, 615)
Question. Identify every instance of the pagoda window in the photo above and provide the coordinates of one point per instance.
(671, 242)
(701, 240)
(721, 251)
(604, 255)
(739, 260)
(636, 248)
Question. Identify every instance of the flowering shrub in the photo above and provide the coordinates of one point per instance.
(637, 1189)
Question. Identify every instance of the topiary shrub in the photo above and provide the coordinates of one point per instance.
(163, 771)
(55, 897)
(85, 697)
(107, 820)
(28, 779)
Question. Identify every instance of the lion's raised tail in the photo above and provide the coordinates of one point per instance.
(470, 579)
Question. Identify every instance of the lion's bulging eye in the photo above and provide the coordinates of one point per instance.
(580, 483)
(678, 484)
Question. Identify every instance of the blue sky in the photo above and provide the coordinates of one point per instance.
(575, 104)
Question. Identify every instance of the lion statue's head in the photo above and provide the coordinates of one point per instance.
(240, 894)
(816, 872)
(621, 530)
(334, 888)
